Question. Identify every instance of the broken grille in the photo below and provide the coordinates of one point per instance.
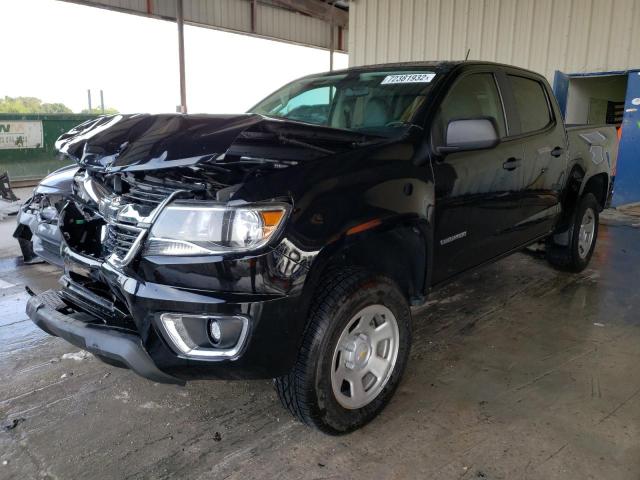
(119, 239)
(122, 231)
(146, 195)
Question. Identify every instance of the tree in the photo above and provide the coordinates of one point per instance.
(30, 105)
(98, 111)
(55, 108)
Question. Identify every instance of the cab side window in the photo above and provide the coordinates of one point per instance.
(473, 96)
(531, 102)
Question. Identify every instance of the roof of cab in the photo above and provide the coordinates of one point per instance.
(436, 66)
(441, 66)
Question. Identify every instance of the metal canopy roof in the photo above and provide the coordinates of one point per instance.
(306, 22)
(315, 23)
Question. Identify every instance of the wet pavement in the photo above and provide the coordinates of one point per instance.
(517, 371)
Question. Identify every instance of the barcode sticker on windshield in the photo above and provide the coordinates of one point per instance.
(408, 78)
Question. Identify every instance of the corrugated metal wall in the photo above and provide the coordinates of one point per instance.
(294, 27)
(235, 15)
(543, 35)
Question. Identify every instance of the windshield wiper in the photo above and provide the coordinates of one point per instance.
(300, 143)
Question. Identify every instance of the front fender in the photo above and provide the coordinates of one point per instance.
(400, 249)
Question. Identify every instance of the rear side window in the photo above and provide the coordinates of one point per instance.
(531, 102)
(473, 96)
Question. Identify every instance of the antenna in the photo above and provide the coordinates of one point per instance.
(467, 55)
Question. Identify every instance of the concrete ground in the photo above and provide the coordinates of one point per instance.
(516, 371)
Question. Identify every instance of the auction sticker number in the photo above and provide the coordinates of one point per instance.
(408, 78)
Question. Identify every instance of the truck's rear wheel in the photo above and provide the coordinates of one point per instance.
(582, 237)
(353, 354)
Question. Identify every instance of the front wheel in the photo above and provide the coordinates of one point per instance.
(582, 237)
(353, 354)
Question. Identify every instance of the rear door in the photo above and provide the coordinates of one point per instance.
(538, 128)
(477, 191)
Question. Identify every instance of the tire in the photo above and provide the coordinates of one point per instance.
(363, 307)
(576, 256)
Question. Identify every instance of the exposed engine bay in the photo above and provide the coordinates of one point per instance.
(111, 213)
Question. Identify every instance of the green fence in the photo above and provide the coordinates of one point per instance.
(27, 148)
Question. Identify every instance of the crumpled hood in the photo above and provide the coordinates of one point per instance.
(146, 142)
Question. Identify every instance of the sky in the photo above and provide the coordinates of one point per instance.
(59, 50)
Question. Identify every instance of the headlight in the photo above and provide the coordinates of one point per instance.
(204, 228)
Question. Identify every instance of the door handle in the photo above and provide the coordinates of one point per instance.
(511, 163)
(556, 152)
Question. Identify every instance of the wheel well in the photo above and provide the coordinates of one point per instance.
(400, 253)
(597, 185)
(570, 197)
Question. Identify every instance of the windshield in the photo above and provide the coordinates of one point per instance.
(372, 102)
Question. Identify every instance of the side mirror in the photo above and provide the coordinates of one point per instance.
(470, 134)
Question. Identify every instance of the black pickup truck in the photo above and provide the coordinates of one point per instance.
(290, 242)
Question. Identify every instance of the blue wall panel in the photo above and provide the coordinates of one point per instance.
(627, 183)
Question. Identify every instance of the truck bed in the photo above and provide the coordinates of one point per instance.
(598, 143)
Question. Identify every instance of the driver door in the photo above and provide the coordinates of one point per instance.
(477, 191)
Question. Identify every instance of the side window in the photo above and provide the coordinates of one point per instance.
(531, 102)
(310, 106)
(473, 96)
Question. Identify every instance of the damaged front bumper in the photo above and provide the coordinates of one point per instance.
(140, 331)
(37, 229)
(126, 349)
(38, 237)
